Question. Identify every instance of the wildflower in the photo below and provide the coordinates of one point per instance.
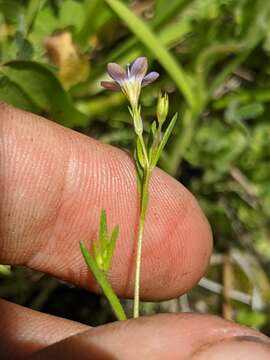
(130, 80)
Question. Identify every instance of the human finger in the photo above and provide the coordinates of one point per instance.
(164, 336)
(24, 331)
(54, 183)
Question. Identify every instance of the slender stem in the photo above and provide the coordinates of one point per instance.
(144, 203)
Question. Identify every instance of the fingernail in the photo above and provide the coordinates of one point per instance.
(236, 348)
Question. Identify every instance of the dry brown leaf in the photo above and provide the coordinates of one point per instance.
(73, 67)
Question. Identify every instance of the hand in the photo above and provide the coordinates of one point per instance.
(53, 184)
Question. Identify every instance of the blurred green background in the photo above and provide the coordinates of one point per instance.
(213, 57)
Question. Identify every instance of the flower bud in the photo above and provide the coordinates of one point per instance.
(162, 108)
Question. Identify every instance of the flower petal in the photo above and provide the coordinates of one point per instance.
(139, 67)
(116, 72)
(149, 78)
(109, 85)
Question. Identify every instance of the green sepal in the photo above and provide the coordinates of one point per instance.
(153, 128)
(139, 153)
(151, 139)
(163, 141)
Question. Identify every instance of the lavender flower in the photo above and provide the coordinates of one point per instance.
(130, 80)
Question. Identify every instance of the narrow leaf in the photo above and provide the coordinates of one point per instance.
(103, 233)
(95, 251)
(114, 235)
(159, 19)
(96, 15)
(151, 140)
(164, 140)
(103, 283)
(32, 10)
(111, 247)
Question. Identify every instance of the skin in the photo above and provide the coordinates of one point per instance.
(53, 184)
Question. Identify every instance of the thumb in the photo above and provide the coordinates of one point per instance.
(166, 336)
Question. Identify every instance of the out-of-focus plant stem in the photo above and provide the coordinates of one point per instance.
(227, 287)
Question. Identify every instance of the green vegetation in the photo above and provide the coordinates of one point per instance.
(213, 57)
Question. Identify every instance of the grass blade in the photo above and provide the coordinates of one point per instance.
(32, 10)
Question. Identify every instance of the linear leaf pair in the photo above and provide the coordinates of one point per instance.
(101, 279)
(156, 150)
(100, 263)
(104, 252)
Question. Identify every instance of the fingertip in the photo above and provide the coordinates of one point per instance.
(56, 183)
(165, 336)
